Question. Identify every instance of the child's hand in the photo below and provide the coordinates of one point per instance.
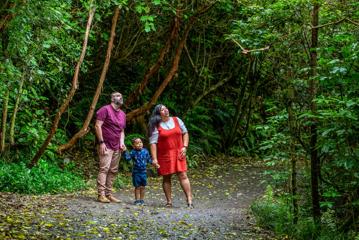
(124, 148)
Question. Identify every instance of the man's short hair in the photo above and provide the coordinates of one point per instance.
(115, 94)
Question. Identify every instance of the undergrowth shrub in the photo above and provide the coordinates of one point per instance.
(43, 178)
(122, 181)
(274, 213)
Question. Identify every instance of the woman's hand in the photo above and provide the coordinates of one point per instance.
(183, 152)
(155, 164)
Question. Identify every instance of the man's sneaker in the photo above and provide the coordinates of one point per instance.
(137, 202)
(113, 199)
(103, 199)
(142, 202)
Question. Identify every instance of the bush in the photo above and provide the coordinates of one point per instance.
(122, 181)
(272, 213)
(43, 178)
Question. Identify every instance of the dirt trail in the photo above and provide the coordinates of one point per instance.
(222, 196)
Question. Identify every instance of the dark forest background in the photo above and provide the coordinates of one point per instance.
(275, 82)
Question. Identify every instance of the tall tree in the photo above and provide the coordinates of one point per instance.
(4, 121)
(313, 88)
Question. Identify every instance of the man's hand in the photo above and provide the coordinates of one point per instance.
(103, 149)
(123, 147)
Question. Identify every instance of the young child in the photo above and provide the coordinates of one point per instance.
(140, 157)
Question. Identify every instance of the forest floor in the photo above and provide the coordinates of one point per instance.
(222, 197)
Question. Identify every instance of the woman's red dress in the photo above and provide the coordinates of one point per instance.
(169, 146)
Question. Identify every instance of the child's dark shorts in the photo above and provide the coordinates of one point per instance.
(139, 179)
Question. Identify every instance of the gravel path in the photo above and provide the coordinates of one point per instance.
(222, 196)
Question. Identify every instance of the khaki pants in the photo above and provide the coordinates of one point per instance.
(108, 171)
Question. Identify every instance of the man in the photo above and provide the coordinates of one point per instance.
(110, 125)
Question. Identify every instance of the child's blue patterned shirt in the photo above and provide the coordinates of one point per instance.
(140, 159)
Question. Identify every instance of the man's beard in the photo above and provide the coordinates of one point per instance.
(118, 102)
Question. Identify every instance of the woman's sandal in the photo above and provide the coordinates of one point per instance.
(190, 205)
(168, 205)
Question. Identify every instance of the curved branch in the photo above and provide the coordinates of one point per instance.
(70, 95)
(154, 68)
(336, 22)
(141, 110)
(85, 129)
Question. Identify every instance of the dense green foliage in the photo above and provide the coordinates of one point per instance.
(242, 87)
(44, 178)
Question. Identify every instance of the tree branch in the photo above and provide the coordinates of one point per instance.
(246, 51)
(85, 129)
(70, 95)
(169, 77)
(335, 23)
(154, 68)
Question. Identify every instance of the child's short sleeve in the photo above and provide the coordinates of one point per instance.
(148, 157)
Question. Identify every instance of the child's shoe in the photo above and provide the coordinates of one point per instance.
(142, 203)
(137, 202)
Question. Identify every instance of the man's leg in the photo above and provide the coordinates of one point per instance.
(104, 166)
(112, 172)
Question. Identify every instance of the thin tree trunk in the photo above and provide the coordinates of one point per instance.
(154, 69)
(239, 113)
(16, 108)
(313, 86)
(69, 97)
(85, 129)
(291, 123)
(294, 182)
(169, 77)
(4, 120)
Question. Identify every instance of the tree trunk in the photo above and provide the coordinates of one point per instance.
(294, 182)
(313, 85)
(85, 129)
(4, 119)
(69, 97)
(239, 109)
(154, 69)
(291, 124)
(139, 111)
(16, 108)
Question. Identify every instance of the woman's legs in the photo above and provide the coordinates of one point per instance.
(166, 185)
(186, 186)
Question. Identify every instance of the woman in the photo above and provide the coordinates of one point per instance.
(169, 142)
